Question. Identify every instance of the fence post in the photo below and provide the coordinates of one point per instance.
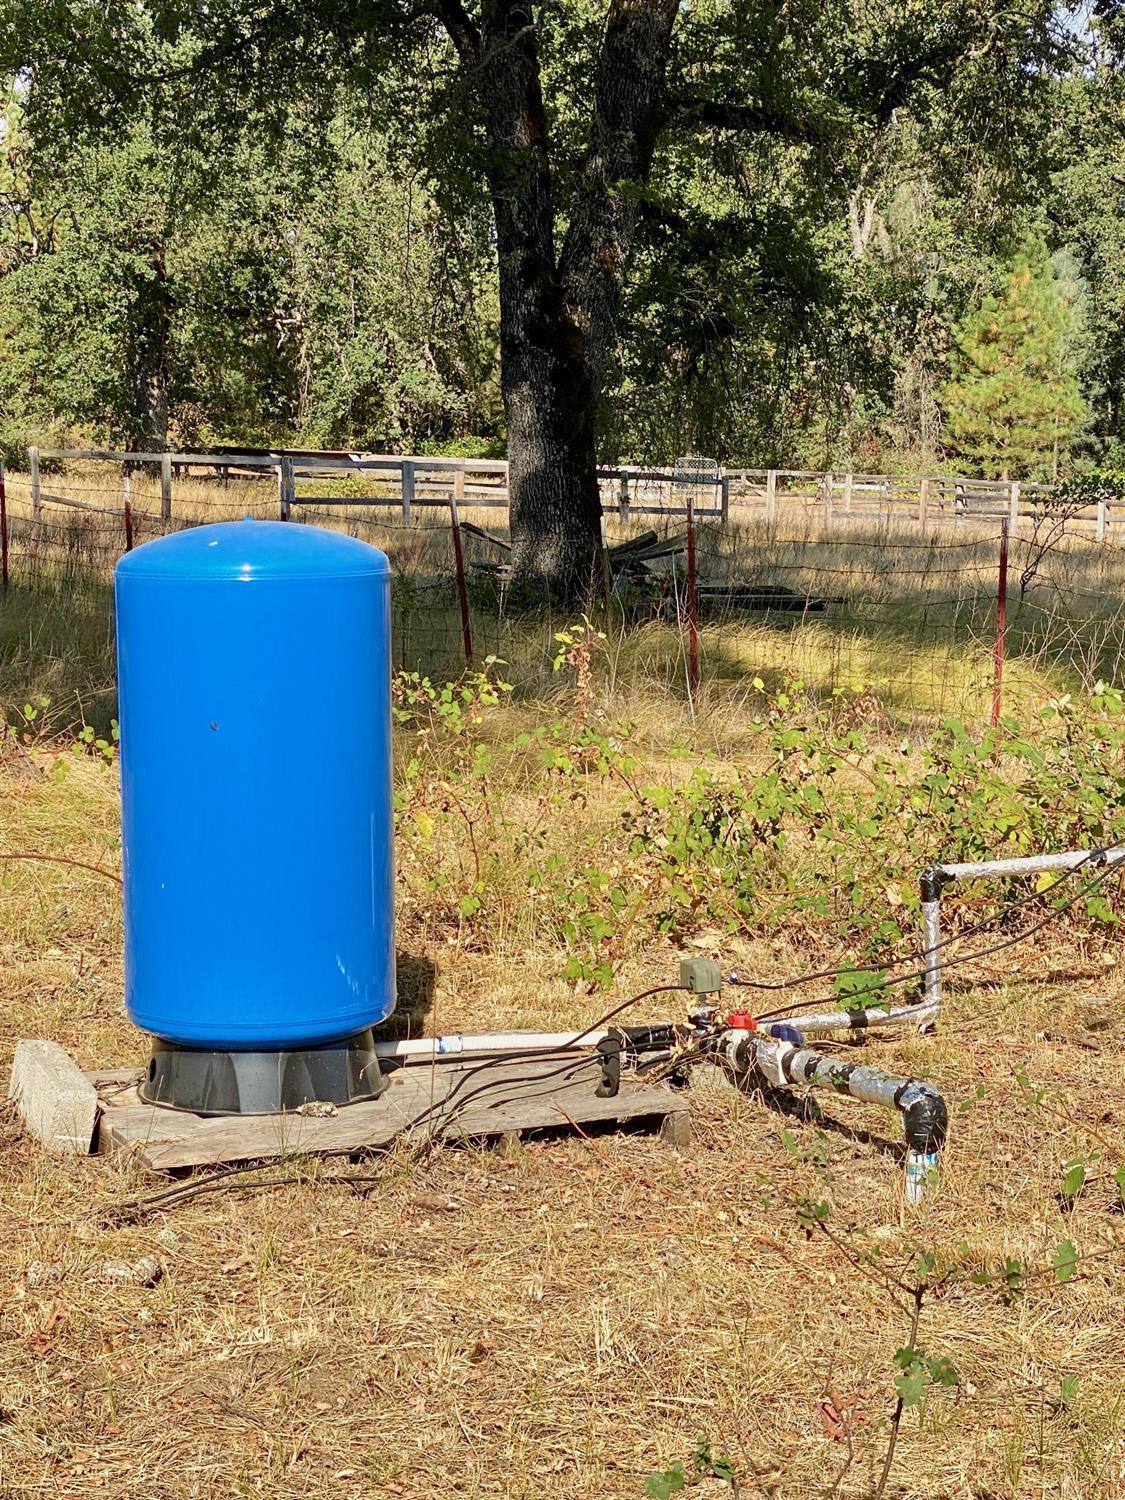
(1014, 504)
(36, 495)
(285, 488)
(1101, 519)
(693, 606)
(829, 482)
(462, 586)
(5, 576)
(1001, 621)
(606, 566)
(165, 486)
(771, 494)
(407, 490)
(623, 496)
(923, 500)
(459, 480)
(724, 499)
(128, 511)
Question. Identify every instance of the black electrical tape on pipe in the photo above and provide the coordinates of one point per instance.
(933, 882)
(925, 1120)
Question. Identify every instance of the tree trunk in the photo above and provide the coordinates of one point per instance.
(149, 354)
(558, 314)
(554, 502)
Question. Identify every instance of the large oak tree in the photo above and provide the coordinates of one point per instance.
(589, 123)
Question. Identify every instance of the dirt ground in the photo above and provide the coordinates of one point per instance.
(572, 1317)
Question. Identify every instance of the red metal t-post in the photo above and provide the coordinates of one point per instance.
(462, 588)
(692, 604)
(4, 574)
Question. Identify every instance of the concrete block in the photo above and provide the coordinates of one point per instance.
(57, 1102)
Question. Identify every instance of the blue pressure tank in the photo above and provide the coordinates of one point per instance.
(253, 664)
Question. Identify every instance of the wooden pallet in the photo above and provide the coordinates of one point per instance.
(522, 1096)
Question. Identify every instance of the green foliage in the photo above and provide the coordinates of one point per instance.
(452, 709)
(1094, 487)
(1068, 1392)
(702, 1465)
(823, 831)
(143, 298)
(1014, 405)
(1065, 1260)
(919, 1372)
(245, 222)
(668, 1482)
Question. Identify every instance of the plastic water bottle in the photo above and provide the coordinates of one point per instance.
(919, 1167)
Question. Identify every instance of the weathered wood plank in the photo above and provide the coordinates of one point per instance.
(520, 1096)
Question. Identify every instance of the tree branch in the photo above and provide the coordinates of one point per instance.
(462, 29)
(717, 114)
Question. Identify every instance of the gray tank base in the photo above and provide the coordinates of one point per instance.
(205, 1082)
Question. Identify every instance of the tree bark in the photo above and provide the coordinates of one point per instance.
(149, 356)
(558, 313)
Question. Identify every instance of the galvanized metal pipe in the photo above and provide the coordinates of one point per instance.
(937, 877)
(922, 1109)
(870, 1017)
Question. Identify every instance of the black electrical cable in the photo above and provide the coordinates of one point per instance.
(539, 1054)
(672, 1065)
(567, 1074)
(798, 1006)
(181, 1193)
(448, 1117)
(892, 962)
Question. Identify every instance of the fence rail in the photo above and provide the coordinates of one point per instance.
(409, 481)
(830, 576)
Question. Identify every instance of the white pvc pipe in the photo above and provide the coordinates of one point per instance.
(490, 1041)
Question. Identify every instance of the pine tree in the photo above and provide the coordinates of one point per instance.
(1014, 404)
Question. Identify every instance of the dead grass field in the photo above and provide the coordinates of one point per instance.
(563, 1321)
(914, 610)
(568, 1319)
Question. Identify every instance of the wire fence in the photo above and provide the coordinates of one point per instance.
(904, 611)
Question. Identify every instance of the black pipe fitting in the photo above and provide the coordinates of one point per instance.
(925, 1118)
(657, 1038)
(933, 881)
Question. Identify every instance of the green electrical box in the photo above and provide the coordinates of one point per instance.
(702, 976)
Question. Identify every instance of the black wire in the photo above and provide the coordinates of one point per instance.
(566, 1072)
(698, 1054)
(573, 1066)
(892, 962)
(174, 1196)
(886, 984)
(539, 1054)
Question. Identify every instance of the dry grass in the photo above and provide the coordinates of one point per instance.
(559, 1323)
(563, 1321)
(916, 614)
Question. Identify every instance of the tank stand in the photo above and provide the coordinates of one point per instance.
(202, 1081)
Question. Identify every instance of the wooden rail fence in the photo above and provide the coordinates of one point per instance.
(411, 481)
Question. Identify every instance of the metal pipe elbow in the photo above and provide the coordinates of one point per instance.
(925, 1117)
